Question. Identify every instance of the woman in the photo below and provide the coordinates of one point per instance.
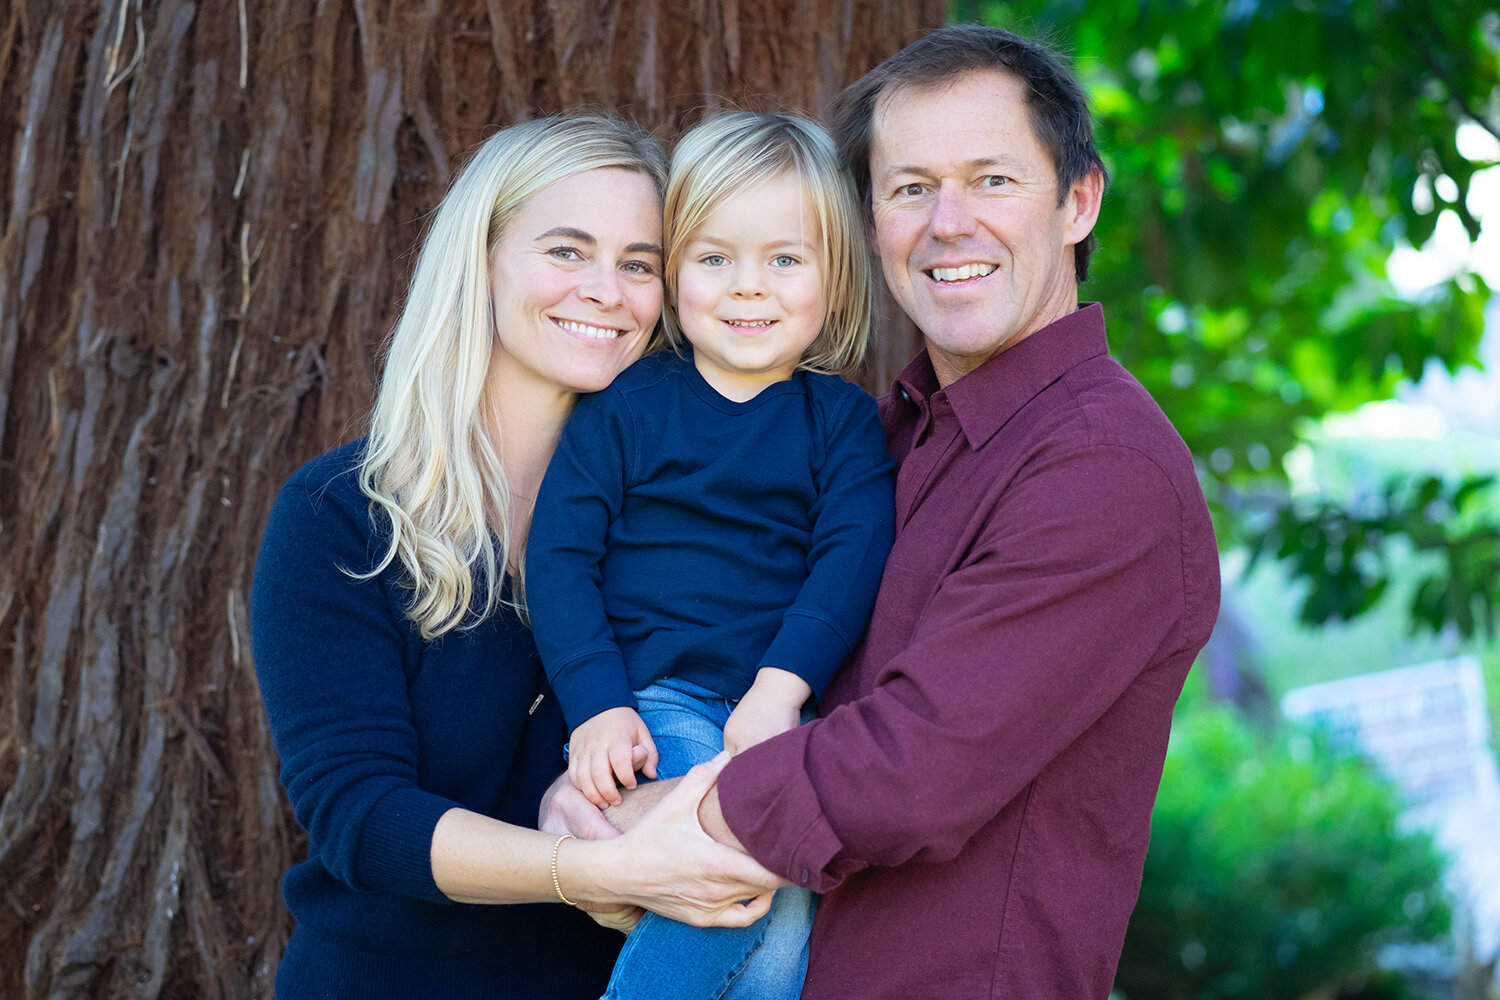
(410, 710)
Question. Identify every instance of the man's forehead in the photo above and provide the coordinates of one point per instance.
(988, 102)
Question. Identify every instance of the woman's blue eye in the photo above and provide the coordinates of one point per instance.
(639, 267)
(565, 253)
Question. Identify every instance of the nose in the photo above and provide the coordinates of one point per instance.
(952, 217)
(602, 285)
(748, 282)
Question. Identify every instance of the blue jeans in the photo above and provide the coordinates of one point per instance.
(666, 960)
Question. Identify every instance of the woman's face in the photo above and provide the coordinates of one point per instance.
(576, 281)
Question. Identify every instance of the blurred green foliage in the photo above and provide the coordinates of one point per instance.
(1344, 552)
(1267, 158)
(1276, 869)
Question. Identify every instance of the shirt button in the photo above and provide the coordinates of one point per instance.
(804, 876)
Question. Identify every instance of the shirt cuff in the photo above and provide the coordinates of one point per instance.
(770, 804)
(592, 684)
(808, 647)
(395, 844)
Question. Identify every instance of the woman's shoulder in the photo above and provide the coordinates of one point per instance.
(337, 467)
(332, 478)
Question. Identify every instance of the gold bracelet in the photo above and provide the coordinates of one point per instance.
(556, 884)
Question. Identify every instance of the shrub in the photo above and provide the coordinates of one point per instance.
(1277, 868)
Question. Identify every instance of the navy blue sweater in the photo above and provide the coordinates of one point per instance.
(379, 734)
(682, 534)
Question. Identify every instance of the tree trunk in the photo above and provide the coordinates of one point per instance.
(208, 214)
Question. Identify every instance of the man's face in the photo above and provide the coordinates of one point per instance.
(973, 242)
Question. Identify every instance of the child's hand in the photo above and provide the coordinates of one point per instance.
(604, 749)
(772, 705)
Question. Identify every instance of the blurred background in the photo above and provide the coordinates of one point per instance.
(207, 220)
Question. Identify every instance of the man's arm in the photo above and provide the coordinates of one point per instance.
(1054, 612)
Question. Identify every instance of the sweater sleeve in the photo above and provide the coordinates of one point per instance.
(854, 521)
(329, 657)
(579, 497)
(1048, 621)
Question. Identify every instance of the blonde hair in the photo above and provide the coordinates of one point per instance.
(737, 150)
(431, 464)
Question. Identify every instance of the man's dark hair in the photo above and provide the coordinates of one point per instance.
(1055, 103)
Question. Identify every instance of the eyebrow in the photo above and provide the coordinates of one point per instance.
(785, 241)
(1002, 160)
(568, 232)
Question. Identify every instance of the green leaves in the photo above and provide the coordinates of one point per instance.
(1276, 868)
(1347, 555)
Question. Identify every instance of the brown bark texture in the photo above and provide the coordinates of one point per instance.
(207, 216)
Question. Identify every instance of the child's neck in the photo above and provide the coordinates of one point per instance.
(737, 387)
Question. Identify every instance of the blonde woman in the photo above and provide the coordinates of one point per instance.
(712, 529)
(414, 723)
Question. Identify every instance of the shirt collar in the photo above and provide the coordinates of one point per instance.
(987, 397)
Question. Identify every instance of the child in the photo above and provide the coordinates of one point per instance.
(710, 534)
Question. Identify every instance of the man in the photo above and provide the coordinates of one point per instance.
(975, 802)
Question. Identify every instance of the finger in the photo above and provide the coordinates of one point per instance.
(624, 771)
(604, 779)
(696, 783)
(653, 759)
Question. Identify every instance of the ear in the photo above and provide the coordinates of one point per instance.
(1082, 207)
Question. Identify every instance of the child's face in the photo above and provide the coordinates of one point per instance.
(750, 287)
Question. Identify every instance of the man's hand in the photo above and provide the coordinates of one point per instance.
(603, 750)
(772, 705)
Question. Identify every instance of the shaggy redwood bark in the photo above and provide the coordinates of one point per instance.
(208, 214)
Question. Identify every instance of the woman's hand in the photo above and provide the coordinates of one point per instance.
(603, 750)
(666, 863)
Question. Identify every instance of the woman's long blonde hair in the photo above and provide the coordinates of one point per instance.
(431, 465)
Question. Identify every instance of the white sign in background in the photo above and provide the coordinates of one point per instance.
(1427, 727)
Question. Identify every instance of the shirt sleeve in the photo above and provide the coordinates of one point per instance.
(329, 657)
(1056, 609)
(580, 495)
(854, 521)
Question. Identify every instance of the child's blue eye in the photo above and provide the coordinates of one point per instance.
(784, 260)
(714, 260)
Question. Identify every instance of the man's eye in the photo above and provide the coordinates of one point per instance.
(995, 180)
(910, 190)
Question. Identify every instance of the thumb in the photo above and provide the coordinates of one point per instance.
(696, 783)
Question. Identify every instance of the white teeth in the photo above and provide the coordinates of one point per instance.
(585, 330)
(750, 322)
(961, 273)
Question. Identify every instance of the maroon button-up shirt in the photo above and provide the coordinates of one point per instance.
(976, 801)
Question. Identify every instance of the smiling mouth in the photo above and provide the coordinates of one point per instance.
(588, 330)
(949, 275)
(750, 324)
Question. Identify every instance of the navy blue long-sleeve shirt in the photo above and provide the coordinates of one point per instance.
(682, 534)
(380, 733)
